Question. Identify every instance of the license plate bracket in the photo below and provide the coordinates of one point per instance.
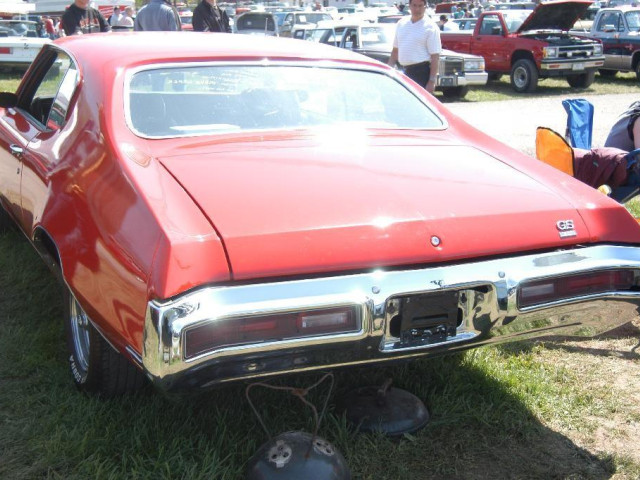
(428, 318)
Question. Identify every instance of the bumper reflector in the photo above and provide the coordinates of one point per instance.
(539, 292)
(268, 328)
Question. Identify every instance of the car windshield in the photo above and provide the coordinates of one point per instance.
(514, 20)
(280, 17)
(255, 21)
(327, 36)
(379, 35)
(633, 19)
(17, 28)
(201, 100)
(312, 17)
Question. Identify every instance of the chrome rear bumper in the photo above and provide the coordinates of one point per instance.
(486, 293)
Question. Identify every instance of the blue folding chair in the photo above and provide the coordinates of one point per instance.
(579, 122)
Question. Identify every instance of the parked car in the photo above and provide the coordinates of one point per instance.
(465, 23)
(617, 28)
(220, 211)
(186, 20)
(529, 45)
(456, 72)
(295, 19)
(19, 44)
(257, 23)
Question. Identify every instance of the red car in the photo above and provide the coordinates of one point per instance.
(221, 211)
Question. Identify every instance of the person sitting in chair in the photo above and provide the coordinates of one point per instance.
(625, 133)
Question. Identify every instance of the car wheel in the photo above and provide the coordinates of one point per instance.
(95, 366)
(455, 93)
(608, 73)
(494, 77)
(583, 80)
(637, 70)
(524, 76)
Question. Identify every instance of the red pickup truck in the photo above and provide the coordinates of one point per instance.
(532, 45)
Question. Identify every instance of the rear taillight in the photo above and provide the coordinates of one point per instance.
(6, 50)
(269, 328)
(539, 292)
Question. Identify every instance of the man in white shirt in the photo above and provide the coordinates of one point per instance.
(114, 19)
(417, 46)
(126, 20)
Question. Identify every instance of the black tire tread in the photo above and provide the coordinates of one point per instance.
(109, 373)
(117, 375)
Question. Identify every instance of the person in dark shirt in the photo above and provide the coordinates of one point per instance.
(80, 19)
(209, 17)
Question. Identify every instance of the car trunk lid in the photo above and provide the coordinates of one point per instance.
(335, 204)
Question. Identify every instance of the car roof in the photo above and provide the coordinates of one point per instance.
(129, 49)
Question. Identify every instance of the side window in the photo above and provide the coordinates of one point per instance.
(351, 38)
(60, 107)
(50, 101)
(490, 26)
(609, 22)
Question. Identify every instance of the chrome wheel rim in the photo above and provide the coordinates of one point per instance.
(80, 333)
(520, 77)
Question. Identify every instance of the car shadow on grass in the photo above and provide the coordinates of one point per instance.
(480, 426)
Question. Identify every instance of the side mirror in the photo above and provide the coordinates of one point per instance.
(496, 31)
(8, 100)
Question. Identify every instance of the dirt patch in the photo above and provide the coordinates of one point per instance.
(610, 367)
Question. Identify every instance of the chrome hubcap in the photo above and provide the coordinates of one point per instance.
(520, 77)
(80, 334)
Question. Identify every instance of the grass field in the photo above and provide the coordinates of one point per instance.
(566, 408)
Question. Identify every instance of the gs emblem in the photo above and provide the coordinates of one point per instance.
(566, 228)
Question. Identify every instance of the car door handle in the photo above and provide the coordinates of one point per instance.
(16, 150)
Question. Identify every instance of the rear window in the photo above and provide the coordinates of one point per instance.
(200, 100)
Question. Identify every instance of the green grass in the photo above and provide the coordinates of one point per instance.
(492, 410)
(501, 90)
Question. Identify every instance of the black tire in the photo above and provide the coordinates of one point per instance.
(455, 93)
(524, 76)
(96, 367)
(637, 70)
(608, 73)
(584, 80)
(6, 223)
(494, 76)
